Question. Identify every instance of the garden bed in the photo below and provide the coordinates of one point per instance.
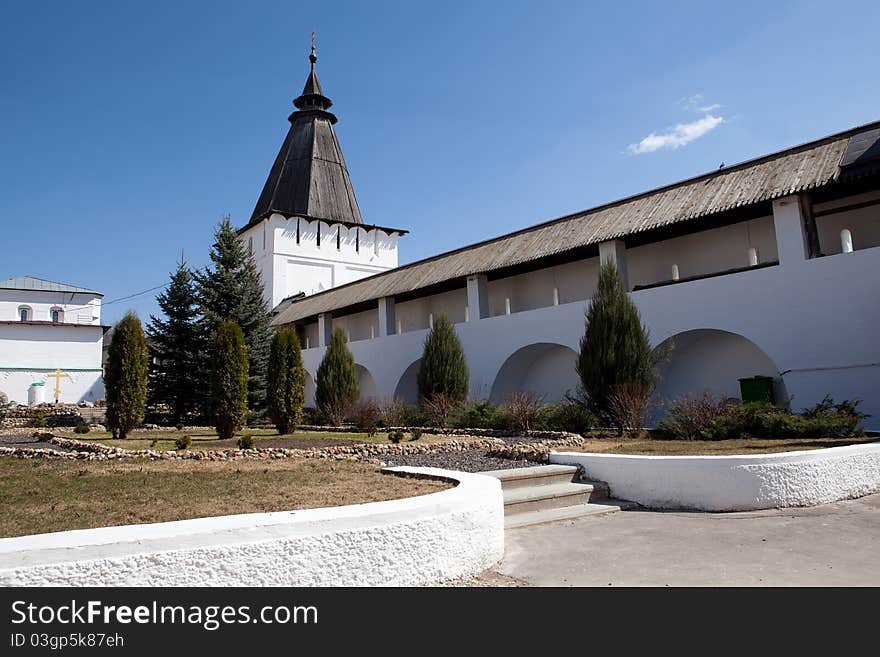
(711, 447)
(41, 495)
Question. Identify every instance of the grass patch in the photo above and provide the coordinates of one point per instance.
(711, 447)
(263, 437)
(40, 496)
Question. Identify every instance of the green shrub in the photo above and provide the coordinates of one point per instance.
(569, 415)
(81, 428)
(443, 369)
(39, 419)
(614, 349)
(229, 380)
(155, 443)
(182, 442)
(415, 434)
(179, 426)
(703, 418)
(481, 414)
(125, 376)
(246, 441)
(395, 436)
(413, 416)
(336, 383)
(286, 381)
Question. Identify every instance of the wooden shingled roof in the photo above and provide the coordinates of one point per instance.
(773, 176)
(309, 177)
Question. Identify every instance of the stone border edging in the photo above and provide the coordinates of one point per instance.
(735, 483)
(408, 542)
(85, 450)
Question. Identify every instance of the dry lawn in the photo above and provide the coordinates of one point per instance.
(710, 447)
(264, 438)
(40, 496)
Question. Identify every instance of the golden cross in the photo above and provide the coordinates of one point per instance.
(57, 375)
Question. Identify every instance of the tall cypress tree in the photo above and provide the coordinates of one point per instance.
(444, 368)
(125, 377)
(175, 347)
(336, 383)
(615, 348)
(286, 381)
(229, 380)
(233, 290)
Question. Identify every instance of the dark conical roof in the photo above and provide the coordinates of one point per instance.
(309, 176)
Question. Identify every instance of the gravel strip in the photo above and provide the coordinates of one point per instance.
(29, 441)
(469, 460)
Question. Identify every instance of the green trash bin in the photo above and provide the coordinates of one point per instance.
(757, 389)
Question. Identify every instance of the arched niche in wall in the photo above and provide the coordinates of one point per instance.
(545, 369)
(407, 388)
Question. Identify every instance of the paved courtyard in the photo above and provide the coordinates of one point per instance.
(831, 545)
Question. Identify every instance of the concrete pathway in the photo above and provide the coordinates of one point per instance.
(832, 545)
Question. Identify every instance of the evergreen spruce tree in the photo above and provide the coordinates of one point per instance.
(233, 290)
(286, 381)
(443, 369)
(175, 347)
(125, 377)
(229, 380)
(615, 349)
(336, 383)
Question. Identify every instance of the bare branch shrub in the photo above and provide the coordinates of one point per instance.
(440, 408)
(523, 408)
(366, 414)
(394, 412)
(689, 417)
(628, 404)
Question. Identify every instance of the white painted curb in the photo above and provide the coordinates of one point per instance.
(735, 483)
(412, 541)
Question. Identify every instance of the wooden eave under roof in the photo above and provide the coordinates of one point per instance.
(797, 169)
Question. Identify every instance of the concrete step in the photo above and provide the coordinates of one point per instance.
(563, 513)
(540, 475)
(550, 496)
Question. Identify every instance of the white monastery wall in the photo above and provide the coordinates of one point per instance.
(810, 318)
(706, 252)
(573, 281)
(414, 315)
(409, 542)
(735, 483)
(863, 224)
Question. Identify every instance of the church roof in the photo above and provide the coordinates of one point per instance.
(801, 168)
(309, 177)
(42, 285)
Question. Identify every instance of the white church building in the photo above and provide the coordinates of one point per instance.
(768, 268)
(50, 339)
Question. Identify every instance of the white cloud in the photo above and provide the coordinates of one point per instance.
(714, 107)
(677, 136)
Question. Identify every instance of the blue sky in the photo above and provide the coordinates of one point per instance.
(128, 129)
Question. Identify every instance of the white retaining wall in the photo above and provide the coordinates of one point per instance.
(413, 541)
(735, 483)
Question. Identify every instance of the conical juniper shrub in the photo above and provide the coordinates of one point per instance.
(229, 380)
(443, 369)
(125, 378)
(615, 348)
(336, 383)
(286, 381)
